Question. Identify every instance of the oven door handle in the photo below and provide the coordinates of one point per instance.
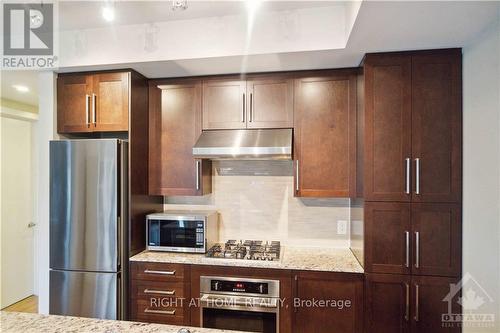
(222, 301)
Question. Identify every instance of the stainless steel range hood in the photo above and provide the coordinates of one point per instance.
(244, 144)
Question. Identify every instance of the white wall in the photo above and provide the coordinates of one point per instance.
(307, 29)
(481, 161)
(45, 130)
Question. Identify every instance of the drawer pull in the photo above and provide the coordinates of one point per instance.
(167, 312)
(147, 271)
(162, 292)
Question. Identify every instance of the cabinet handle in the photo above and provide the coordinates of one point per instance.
(407, 304)
(416, 302)
(251, 107)
(297, 175)
(296, 278)
(198, 162)
(147, 271)
(94, 107)
(417, 176)
(243, 114)
(167, 312)
(407, 188)
(407, 239)
(87, 120)
(417, 249)
(162, 292)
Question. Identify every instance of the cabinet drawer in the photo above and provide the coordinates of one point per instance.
(151, 311)
(158, 272)
(158, 289)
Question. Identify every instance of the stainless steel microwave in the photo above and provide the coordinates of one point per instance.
(182, 231)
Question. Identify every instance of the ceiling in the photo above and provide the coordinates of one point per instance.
(75, 15)
(380, 26)
(25, 78)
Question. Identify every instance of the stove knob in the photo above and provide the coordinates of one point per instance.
(216, 286)
(261, 288)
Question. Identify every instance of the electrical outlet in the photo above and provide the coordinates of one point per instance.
(341, 227)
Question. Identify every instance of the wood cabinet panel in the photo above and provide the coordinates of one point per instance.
(270, 102)
(329, 287)
(111, 101)
(387, 127)
(93, 102)
(387, 237)
(387, 303)
(73, 103)
(428, 305)
(439, 248)
(159, 293)
(224, 104)
(148, 271)
(325, 135)
(175, 125)
(437, 126)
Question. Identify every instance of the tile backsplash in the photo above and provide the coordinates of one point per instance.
(255, 201)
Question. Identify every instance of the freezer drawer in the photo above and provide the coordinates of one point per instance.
(84, 205)
(84, 294)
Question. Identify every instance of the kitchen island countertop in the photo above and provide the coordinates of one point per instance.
(31, 322)
(296, 258)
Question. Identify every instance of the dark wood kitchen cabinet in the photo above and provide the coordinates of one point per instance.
(97, 102)
(160, 293)
(224, 104)
(419, 239)
(401, 303)
(343, 317)
(387, 303)
(259, 102)
(175, 125)
(437, 239)
(111, 98)
(325, 135)
(270, 102)
(437, 126)
(387, 127)
(413, 122)
(73, 103)
(387, 237)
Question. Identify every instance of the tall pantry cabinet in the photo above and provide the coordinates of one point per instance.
(412, 188)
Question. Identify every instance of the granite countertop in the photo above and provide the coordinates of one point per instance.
(31, 322)
(299, 258)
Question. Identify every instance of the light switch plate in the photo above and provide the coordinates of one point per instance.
(341, 227)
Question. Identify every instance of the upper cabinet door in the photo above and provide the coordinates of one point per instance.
(73, 103)
(387, 237)
(437, 127)
(224, 104)
(270, 102)
(110, 102)
(387, 127)
(437, 239)
(175, 125)
(325, 136)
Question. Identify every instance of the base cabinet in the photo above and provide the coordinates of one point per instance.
(403, 303)
(158, 293)
(328, 302)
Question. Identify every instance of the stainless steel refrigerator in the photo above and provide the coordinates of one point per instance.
(88, 228)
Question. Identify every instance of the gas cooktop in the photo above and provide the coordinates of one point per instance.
(248, 249)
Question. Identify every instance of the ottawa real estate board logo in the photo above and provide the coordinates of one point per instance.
(28, 36)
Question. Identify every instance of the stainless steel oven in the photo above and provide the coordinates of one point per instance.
(241, 304)
(182, 231)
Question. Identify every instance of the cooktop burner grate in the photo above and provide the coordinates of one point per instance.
(248, 249)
